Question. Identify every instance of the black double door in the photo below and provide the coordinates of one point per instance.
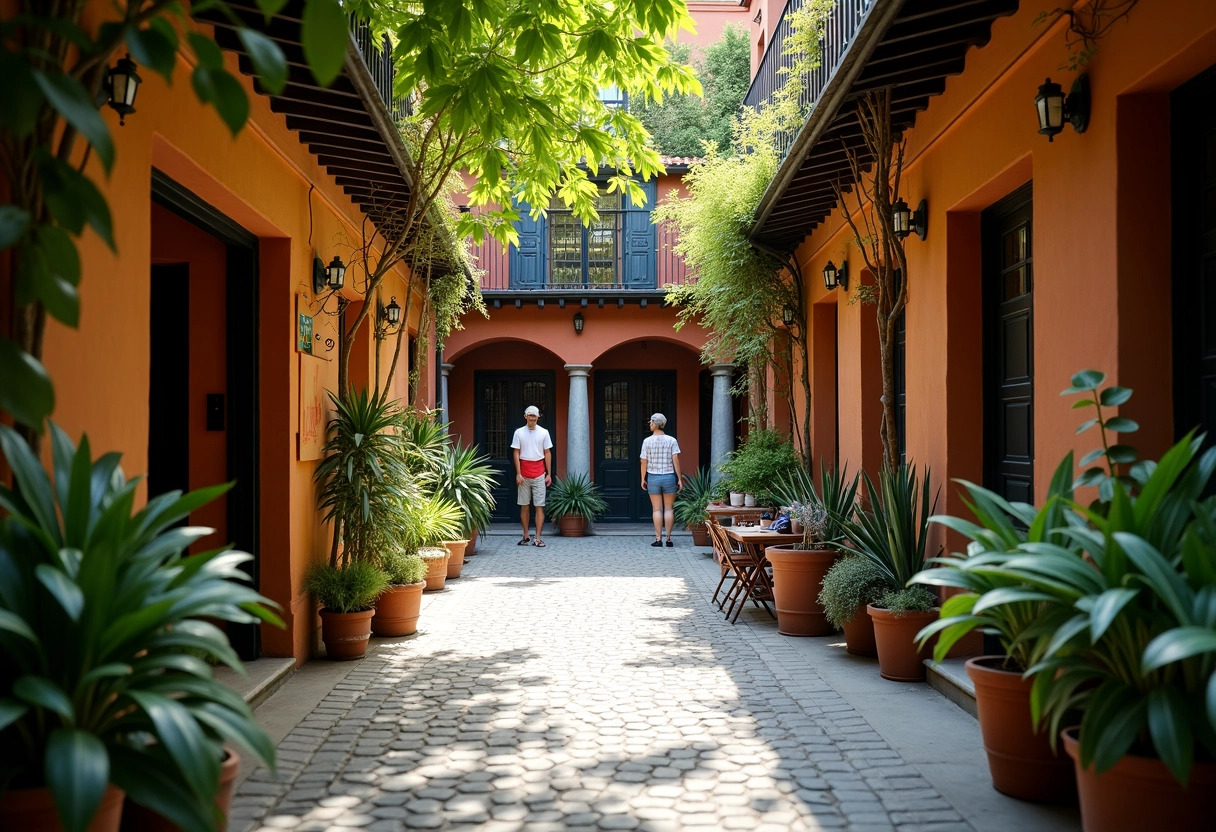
(500, 398)
(1193, 130)
(1008, 300)
(624, 402)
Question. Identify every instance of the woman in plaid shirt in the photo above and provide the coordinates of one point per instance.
(661, 477)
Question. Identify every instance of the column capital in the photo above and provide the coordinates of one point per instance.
(722, 369)
(446, 368)
(578, 370)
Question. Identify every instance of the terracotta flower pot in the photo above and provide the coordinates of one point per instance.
(35, 809)
(470, 549)
(1021, 761)
(136, 818)
(1138, 794)
(346, 633)
(859, 633)
(572, 525)
(436, 572)
(397, 610)
(895, 638)
(797, 582)
(700, 534)
(455, 556)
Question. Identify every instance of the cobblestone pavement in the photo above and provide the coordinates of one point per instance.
(586, 685)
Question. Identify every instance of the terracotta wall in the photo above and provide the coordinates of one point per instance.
(713, 17)
(1101, 223)
(261, 181)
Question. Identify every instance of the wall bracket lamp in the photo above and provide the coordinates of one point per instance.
(119, 88)
(1054, 108)
(908, 221)
(391, 314)
(787, 315)
(579, 323)
(833, 277)
(331, 277)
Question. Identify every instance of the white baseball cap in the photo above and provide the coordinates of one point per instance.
(532, 410)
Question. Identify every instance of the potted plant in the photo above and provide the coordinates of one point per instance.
(346, 595)
(759, 464)
(692, 504)
(429, 520)
(399, 606)
(1021, 757)
(464, 478)
(108, 636)
(892, 534)
(572, 502)
(849, 587)
(1129, 623)
(799, 568)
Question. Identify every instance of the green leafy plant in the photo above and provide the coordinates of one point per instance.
(908, 599)
(363, 478)
(892, 532)
(1121, 460)
(837, 498)
(350, 588)
(402, 569)
(430, 519)
(429, 553)
(106, 626)
(575, 495)
(692, 502)
(760, 463)
(851, 582)
(464, 478)
(425, 444)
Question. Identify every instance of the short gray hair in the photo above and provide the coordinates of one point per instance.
(660, 421)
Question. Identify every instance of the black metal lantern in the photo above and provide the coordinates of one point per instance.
(578, 323)
(787, 314)
(392, 312)
(833, 277)
(907, 221)
(1054, 108)
(122, 83)
(335, 273)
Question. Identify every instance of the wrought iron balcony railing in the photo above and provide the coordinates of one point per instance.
(379, 62)
(842, 26)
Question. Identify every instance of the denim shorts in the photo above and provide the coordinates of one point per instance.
(661, 483)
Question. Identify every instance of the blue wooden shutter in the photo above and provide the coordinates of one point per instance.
(527, 260)
(640, 241)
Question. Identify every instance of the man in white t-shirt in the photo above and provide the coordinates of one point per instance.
(531, 447)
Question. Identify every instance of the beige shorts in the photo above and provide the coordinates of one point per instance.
(531, 491)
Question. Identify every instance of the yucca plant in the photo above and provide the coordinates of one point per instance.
(464, 478)
(425, 443)
(364, 479)
(837, 497)
(106, 627)
(892, 532)
(575, 495)
(430, 519)
(692, 502)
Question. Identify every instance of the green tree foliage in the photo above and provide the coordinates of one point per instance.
(54, 66)
(682, 124)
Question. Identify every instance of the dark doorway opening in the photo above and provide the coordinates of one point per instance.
(169, 380)
(240, 419)
(499, 401)
(624, 402)
(1008, 309)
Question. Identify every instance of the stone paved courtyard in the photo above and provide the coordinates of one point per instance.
(590, 685)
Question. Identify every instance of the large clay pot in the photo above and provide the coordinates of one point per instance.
(1138, 794)
(470, 549)
(859, 633)
(895, 638)
(1021, 761)
(700, 534)
(572, 525)
(346, 633)
(136, 818)
(436, 572)
(797, 582)
(397, 610)
(35, 809)
(455, 556)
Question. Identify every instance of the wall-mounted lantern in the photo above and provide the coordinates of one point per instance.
(1054, 108)
(120, 87)
(391, 314)
(578, 323)
(908, 221)
(787, 314)
(833, 277)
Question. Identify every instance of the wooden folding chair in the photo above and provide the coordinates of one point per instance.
(751, 580)
(721, 544)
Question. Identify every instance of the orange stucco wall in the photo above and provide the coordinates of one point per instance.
(260, 180)
(1101, 232)
(712, 18)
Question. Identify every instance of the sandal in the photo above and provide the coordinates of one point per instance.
(657, 544)
(526, 541)
(539, 543)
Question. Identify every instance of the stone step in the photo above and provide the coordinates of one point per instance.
(264, 677)
(950, 680)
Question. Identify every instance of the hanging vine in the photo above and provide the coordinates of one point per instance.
(1086, 26)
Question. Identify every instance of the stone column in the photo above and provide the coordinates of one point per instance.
(722, 430)
(444, 370)
(578, 423)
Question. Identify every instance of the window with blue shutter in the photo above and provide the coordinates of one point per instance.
(638, 263)
(528, 258)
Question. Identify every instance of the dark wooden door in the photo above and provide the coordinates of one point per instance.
(624, 403)
(169, 380)
(1194, 242)
(499, 401)
(1008, 295)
